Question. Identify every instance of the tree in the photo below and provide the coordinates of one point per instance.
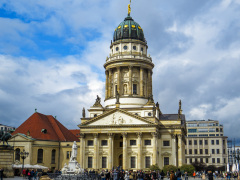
(211, 168)
(154, 167)
(169, 168)
(187, 168)
(199, 166)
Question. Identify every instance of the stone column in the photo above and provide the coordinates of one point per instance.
(110, 83)
(174, 150)
(141, 81)
(110, 150)
(149, 82)
(130, 80)
(107, 84)
(96, 150)
(82, 150)
(180, 160)
(119, 80)
(139, 146)
(125, 146)
(154, 159)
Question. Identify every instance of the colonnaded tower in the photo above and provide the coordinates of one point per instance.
(130, 131)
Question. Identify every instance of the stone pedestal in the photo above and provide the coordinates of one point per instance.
(6, 160)
(72, 165)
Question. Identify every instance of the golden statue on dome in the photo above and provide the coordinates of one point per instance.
(129, 8)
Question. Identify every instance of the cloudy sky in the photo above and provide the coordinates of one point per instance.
(52, 55)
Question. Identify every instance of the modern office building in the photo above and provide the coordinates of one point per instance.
(206, 143)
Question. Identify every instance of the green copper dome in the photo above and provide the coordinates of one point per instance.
(128, 29)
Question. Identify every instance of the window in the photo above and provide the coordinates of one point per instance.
(218, 151)
(90, 143)
(190, 160)
(196, 160)
(147, 162)
(104, 162)
(116, 90)
(134, 88)
(218, 160)
(201, 160)
(212, 142)
(206, 151)
(95, 115)
(192, 130)
(202, 130)
(203, 135)
(166, 161)
(224, 151)
(206, 160)
(213, 160)
(149, 114)
(206, 142)
(53, 156)
(117, 48)
(104, 143)
(134, 48)
(190, 142)
(190, 151)
(133, 163)
(217, 142)
(68, 154)
(166, 143)
(132, 142)
(121, 144)
(224, 160)
(195, 151)
(211, 134)
(147, 142)
(125, 47)
(195, 142)
(200, 142)
(141, 49)
(223, 142)
(89, 162)
(213, 151)
(17, 154)
(40, 156)
(201, 151)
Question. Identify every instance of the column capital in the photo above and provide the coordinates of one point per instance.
(82, 135)
(173, 136)
(139, 134)
(124, 135)
(179, 136)
(95, 135)
(110, 134)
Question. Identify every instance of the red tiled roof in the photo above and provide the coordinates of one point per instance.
(55, 130)
(76, 132)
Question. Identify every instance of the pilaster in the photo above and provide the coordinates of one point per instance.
(107, 85)
(154, 158)
(130, 80)
(110, 83)
(96, 150)
(174, 161)
(180, 153)
(139, 145)
(125, 146)
(141, 82)
(119, 81)
(82, 149)
(110, 150)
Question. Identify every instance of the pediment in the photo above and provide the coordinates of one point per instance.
(20, 137)
(118, 118)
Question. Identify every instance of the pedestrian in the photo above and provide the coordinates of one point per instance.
(179, 174)
(172, 175)
(186, 175)
(1, 173)
(162, 174)
(210, 175)
(194, 174)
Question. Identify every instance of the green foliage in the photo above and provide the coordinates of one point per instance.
(169, 168)
(187, 168)
(154, 167)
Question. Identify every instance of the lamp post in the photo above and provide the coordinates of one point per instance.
(23, 154)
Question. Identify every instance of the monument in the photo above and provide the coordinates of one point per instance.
(6, 155)
(73, 166)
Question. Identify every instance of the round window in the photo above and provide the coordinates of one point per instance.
(95, 115)
(136, 114)
(125, 47)
(117, 48)
(134, 48)
(149, 114)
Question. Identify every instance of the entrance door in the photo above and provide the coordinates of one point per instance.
(120, 159)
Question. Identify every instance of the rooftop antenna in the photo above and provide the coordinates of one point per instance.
(129, 8)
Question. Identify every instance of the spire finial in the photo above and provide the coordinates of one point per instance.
(129, 8)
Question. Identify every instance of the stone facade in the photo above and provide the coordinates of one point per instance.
(130, 131)
(206, 143)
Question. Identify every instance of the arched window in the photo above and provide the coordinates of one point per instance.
(53, 156)
(40, 156)
(17, 154)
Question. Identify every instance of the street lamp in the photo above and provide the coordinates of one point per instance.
(23, 154)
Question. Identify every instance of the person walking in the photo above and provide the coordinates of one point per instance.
(162, 174)
(1, 173)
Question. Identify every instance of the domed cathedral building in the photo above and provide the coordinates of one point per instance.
(130, 131)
